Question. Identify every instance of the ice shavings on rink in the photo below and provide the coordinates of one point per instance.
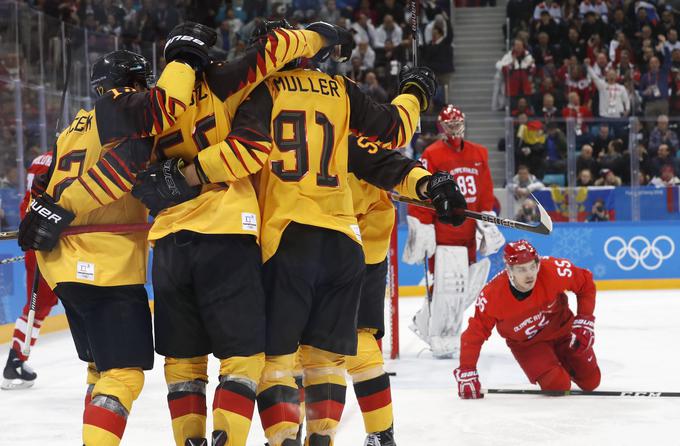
(637, 336)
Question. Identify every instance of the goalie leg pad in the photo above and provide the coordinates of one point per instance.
(234, 400)
(325, 388)
(371, 384)
(186, 379)
(278, 399)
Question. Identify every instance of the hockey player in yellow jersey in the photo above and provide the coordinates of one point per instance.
(375, 215)
(99, 277)
(98, 187)
(311, 299)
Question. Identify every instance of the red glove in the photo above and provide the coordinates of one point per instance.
(582, 333)
(468, 383)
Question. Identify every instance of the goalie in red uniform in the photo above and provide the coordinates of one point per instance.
(451, 251)
(527, 305)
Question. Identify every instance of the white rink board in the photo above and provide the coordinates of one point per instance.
(637, 336)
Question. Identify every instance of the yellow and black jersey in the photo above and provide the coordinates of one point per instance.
(304, 164)
(221, 208)
(373, 207)
(90, 180)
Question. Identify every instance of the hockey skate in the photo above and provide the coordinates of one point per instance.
(384, 438)
(17, 375)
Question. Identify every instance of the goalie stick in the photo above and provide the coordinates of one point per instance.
(544, 226)
(623, 393)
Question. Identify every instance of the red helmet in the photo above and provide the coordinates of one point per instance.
(519, 252)
(451, 122)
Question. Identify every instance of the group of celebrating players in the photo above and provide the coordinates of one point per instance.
(277, 271)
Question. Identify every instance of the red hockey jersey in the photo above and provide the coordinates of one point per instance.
(470, 167)
(543, 315)
(39, 166)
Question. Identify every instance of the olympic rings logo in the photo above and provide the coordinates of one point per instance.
(639, 250)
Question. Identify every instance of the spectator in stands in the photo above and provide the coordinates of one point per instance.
(392, 8)
(329, 12)
(577, 80)
(555, 149)
(672, 42)
(574, 46)
(357, 72)
(654, 86)
(530, 149)
(625, 69)
(597, 7)
(674, 101)
(372, 88)
(519, 12)
(364, 31)
(387, 42)
(585, 178)
(553, 8)
(548, 112)
(602, 140)
(601, 64)
(528, 212)
(663, 157)
(586, 160)
(592, 25)
(614, 102)
(365, 54)
(598, 212)
(619, 23)
(619, 44)
(609, 158)
(662, 134)
(545, 55)
(224, 36)
(524, 183)
(523, 107)
(438, 54)
(624, 168)
(518, 67)
(608, 178)
(582, 115)
(439, 21)
(666, 177)
(545, 24)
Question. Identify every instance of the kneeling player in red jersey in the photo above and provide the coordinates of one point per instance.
(529, 308)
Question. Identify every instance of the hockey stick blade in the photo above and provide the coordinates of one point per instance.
(624, 393)
(544, 226)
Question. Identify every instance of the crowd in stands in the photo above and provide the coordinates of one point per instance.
(381, 31)
(599, 62)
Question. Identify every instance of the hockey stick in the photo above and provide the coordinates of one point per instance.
(414, 41)
(30, 319)
(544, 226)
(75, 230)
(581, 393)
(12, 260)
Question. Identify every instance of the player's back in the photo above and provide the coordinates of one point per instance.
(96, 258)
(306, 178)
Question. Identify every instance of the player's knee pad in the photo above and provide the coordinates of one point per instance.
(368, 362)
(555, 379)
(278, 399)
(589, 382)
(235, 396)
(186, 379)
(124, 384)
(93, 376)
(325, 387)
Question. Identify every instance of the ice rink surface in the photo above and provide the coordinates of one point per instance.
(637, 335)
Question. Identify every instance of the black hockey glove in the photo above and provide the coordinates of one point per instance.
(330, 36)
(345, 46)
(189, 42)
(43, 224)
(419, 81)
(163, 185)
(264, 27)
(447, 200)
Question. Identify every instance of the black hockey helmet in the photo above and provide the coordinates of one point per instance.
(120, 68)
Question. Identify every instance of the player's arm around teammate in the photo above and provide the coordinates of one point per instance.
(529, 308)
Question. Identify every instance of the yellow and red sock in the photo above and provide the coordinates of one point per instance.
(234, 401)
(186, 379)
(106, 415)
(278, 400)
